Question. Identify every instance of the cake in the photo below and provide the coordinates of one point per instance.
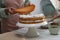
(31, 19)
(25, 10)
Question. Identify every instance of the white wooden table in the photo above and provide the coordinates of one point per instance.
(44, 35)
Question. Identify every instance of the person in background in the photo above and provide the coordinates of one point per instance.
(48, 8)
(9, 23)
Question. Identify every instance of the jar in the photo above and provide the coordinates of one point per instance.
(54, 28)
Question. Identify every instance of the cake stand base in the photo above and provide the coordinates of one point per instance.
(32, 32)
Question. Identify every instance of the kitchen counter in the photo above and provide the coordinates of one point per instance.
(44, 35)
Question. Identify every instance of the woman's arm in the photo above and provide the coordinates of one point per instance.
(3, 13)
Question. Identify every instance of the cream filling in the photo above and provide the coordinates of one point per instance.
(31, 16)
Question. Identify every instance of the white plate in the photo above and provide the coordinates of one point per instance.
(31, 25)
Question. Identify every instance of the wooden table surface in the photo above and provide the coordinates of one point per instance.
(10, 36)
(44, 35)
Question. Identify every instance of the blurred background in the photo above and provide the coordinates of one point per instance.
(49, 8)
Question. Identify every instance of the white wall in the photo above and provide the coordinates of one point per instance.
(37, 6)
(55, 3)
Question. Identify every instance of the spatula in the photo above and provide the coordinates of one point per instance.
(55, 17)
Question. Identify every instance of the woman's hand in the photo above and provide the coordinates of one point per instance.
(11, 10)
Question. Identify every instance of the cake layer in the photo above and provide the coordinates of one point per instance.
(31, 22)
(32, 19)
(25, 10)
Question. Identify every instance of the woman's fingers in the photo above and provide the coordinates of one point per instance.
(11, 10)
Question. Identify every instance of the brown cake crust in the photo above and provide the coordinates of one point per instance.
(33, 22)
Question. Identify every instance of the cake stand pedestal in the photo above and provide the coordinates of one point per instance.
(32, 32)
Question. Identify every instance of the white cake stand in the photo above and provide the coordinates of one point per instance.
(31, 28)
